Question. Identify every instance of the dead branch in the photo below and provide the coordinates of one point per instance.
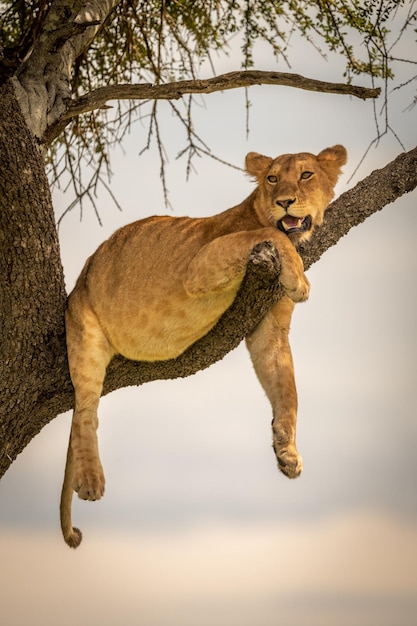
(173, 91)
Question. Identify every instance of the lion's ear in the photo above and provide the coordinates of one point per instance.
(331, 160)
(256, 164)
(335, 154)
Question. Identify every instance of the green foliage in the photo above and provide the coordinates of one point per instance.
(169, 39)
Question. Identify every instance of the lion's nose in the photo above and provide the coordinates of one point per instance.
(286, 203)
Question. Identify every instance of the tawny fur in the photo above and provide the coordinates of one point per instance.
(159, 284)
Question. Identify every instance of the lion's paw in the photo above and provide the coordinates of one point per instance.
(265, 253)
(89, 482)
(289, 462)
(298, 290)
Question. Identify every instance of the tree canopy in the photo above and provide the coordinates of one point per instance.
(135, 53)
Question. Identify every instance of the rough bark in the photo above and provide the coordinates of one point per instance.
(32, 294)
(373, 193)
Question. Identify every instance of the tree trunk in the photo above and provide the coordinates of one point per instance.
(32, 294)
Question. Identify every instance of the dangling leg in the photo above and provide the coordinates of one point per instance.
(271, 356)
(89, 353)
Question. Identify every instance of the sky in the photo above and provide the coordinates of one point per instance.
(197, 526)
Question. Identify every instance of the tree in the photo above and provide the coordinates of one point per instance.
(61, 62)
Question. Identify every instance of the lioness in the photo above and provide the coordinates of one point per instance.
(161, 283)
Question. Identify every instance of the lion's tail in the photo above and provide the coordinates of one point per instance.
(72, 536)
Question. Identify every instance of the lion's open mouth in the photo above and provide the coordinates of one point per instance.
(290, 224)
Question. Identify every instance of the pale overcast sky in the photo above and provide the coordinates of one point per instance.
(197, 526)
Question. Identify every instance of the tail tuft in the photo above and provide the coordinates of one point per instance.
(73, 538)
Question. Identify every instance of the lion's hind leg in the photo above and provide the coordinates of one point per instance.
(89, 353)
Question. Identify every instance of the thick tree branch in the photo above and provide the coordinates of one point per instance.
(260, 289)
(373, 193)
(171, 91)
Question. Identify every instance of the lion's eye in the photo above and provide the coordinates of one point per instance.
(272, 179)
(306, 175)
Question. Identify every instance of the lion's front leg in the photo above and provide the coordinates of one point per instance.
(221, 264)
(271, 356)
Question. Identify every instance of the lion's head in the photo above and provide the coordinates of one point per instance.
(294, 190)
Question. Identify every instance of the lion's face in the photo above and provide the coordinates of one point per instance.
(294, 190)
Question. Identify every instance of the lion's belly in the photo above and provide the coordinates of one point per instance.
(166, 330)
(138, 293)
